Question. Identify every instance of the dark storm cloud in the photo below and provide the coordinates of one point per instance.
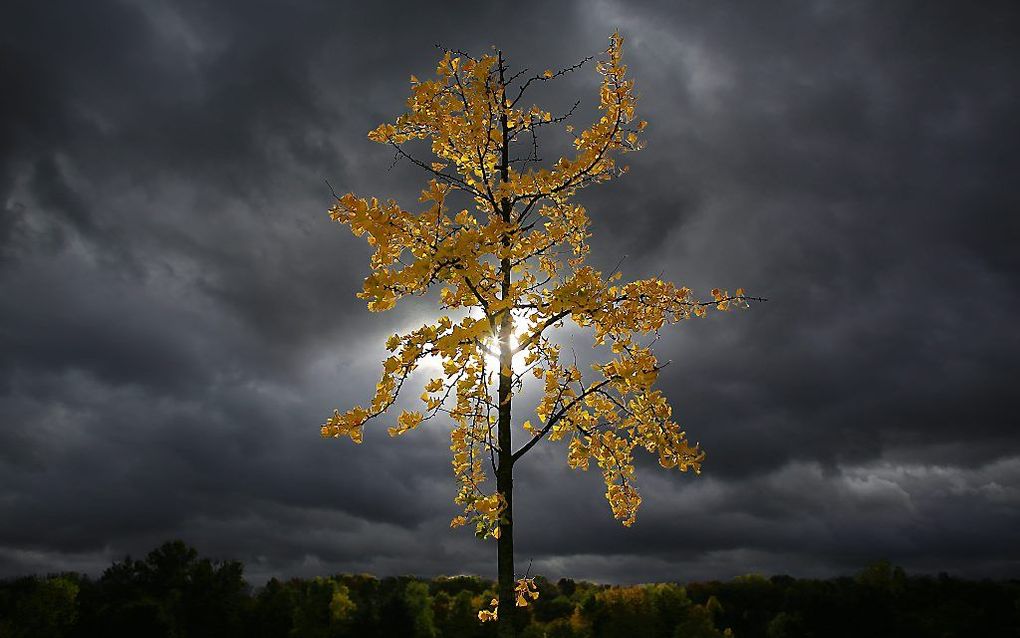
(178, 314)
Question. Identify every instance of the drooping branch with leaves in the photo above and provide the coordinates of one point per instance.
(509, 270)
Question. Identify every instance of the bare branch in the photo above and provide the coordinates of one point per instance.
(552, 76)
(553, 420)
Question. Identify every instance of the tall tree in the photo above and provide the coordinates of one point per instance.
(509, 271)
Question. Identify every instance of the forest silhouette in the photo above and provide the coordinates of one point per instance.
(173, 592)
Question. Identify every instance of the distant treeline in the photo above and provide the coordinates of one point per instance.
(173, 593)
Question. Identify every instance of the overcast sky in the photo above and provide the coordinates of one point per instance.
(177, 313)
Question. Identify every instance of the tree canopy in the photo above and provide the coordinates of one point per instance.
(508, 268)
(173, 592)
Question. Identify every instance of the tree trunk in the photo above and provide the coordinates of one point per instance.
(505, 468)
(505, 486)
(505, 475)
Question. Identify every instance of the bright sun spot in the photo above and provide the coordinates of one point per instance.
(492, 358)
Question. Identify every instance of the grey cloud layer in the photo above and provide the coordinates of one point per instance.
(177, 314)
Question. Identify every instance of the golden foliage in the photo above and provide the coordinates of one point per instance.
(520, 253)
(525, 591)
